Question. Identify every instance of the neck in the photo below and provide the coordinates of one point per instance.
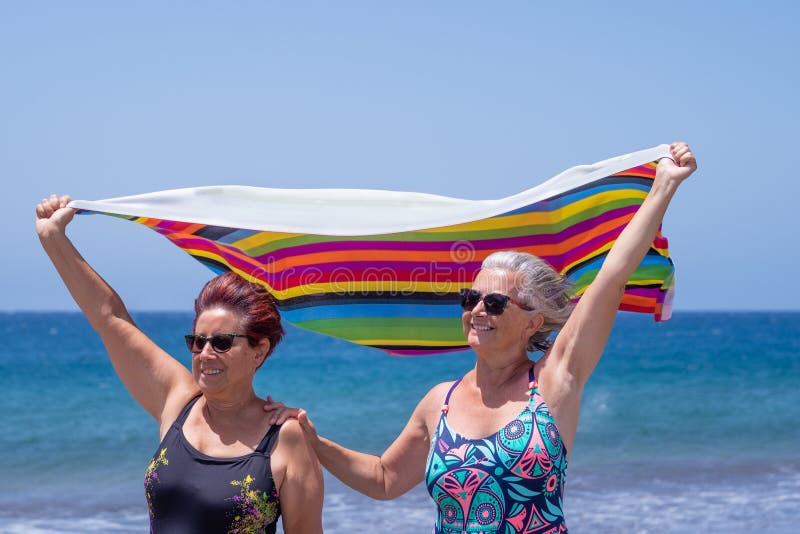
(216, 404)
(495, 372)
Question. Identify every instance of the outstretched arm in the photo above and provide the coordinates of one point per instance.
(159, 383)
(397, 470)
(580, 344)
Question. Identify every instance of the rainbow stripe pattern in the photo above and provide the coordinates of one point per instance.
(398, 291)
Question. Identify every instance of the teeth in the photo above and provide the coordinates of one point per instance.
(211, 371)
(482, 328)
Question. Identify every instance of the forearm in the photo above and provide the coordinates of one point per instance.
(637, 237)
(363, 472)
(98, 300)
(149, 373)
(580, 344)
(578, 347)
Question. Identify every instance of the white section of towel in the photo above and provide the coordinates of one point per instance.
(345, 211)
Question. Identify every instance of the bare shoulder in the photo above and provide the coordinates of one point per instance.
(426, 414)
(291, 434)
(289, 451)
(435, 396)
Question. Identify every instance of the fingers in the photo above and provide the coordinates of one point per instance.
(683, 155)
(271, 405)
(305, 422)
(279, 411)
(276, 418)
(687, 159)
(42, 211)
(283, 414)
(48, 206)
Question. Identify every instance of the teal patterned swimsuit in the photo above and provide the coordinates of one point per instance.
(509, 482)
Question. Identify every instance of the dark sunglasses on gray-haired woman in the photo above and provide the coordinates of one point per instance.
(493, 303)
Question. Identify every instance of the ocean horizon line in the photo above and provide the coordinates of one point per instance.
(11, 311)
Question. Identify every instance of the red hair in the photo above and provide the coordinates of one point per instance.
(251, 302)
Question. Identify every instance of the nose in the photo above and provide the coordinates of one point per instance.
(207, 351)
(479, 308)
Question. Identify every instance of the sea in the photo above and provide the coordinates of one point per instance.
(691, 425)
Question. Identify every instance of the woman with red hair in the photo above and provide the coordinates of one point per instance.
(221, 465)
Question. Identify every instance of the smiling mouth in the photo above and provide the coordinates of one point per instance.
(482, 328)
(208, 372)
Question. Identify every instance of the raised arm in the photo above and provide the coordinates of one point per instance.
(158, 382)
(580, 343)
(398, 469)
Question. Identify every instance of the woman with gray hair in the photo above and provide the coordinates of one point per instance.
(492, 446)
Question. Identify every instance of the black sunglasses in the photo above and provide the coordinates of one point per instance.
(493, 303)
(219, 342)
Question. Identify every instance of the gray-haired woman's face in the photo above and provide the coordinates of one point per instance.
(500, 331)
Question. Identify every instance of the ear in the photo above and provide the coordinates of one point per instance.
(262, 349)
(535, 322)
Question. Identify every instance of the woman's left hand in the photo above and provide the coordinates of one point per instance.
(680, 167)
(280, 412)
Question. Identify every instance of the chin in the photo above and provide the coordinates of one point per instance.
(473, 340)
(206, 388)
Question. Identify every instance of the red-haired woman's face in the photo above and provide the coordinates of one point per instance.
(217, 372)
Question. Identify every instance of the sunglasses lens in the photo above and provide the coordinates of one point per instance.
(219, 342)
(222, 342)
(495, 303)
(194, 342)
(469, 299)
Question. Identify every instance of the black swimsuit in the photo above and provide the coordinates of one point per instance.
(190, 492)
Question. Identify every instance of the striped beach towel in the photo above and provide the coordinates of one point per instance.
(384, 268)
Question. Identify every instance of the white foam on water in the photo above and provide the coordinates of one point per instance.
(117, 523)
(767, 504)
(762, 506)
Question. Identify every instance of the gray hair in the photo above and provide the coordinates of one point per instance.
(540, 287)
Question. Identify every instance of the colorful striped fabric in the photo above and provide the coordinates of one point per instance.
(381, 269)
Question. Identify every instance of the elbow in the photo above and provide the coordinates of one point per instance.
(387, 493)
(386, 489)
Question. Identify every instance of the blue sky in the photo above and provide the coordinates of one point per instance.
(469, 99)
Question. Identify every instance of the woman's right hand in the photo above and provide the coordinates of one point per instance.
(53, 215)
(280, 413)
(307, 425)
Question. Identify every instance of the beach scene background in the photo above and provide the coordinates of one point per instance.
(689, 424)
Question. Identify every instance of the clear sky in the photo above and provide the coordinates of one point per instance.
(470, 99)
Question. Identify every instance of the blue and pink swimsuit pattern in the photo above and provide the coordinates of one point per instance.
(510, 482)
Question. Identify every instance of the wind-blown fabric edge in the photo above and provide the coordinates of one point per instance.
(383, 268)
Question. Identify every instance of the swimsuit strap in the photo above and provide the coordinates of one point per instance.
(532, 385)
(446, 405)
(263, 447)
(269, 438)
(185, 412)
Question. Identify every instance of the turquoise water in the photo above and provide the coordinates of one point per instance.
(690, 424)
